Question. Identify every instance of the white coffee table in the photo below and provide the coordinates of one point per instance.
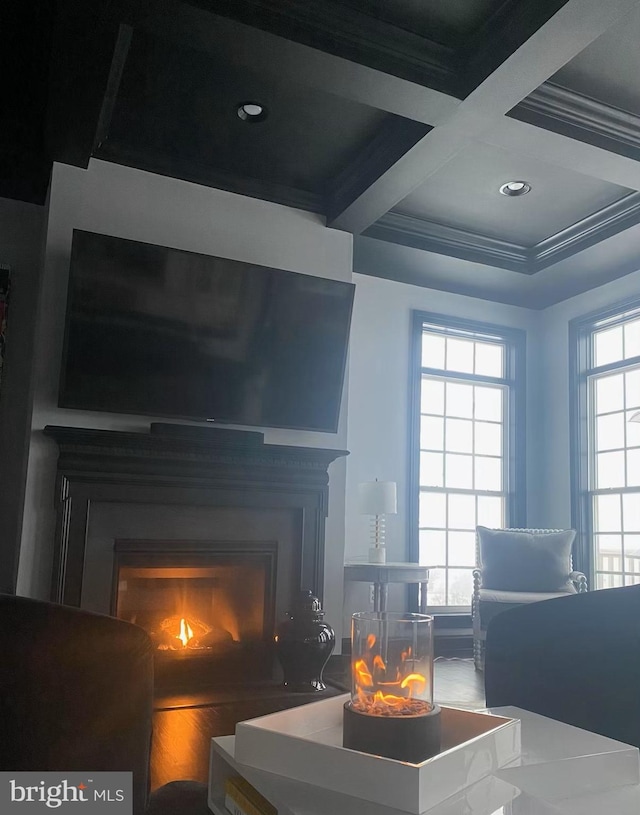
(562, 770)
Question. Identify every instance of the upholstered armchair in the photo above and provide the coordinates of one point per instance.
(515, 567)
(76, 694)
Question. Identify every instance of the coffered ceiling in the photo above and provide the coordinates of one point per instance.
(396, 120)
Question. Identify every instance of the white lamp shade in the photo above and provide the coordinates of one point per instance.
(377, 498)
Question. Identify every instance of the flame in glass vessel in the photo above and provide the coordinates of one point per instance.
(380, 695)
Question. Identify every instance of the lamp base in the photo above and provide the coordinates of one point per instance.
(377, 554)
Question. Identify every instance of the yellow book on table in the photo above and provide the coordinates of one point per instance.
(243, 799)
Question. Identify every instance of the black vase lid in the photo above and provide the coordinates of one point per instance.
(306, 605)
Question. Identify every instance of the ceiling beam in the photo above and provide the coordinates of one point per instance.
(568, 32)
(89, 48)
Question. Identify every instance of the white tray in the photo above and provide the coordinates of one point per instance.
(305, 744)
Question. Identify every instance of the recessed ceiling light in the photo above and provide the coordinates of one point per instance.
(252, 112)
(515, 188)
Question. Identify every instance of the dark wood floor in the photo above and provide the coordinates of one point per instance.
(457, 683)
(184, 727)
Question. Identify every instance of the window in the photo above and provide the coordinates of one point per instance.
(467, 453)
(606, 445)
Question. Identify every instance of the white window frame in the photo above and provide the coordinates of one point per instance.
(583, 374)
(513, 382)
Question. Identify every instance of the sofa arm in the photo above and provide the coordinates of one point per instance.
(580, 580)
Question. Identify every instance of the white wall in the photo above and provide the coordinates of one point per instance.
(379, 391)
(132, 204)
(554, 487)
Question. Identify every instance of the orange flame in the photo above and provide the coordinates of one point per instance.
(387, 698)
(415, 682)
(185, 633)
(363, 674)
(378, 662)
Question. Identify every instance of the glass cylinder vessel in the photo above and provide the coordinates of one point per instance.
(391, 663)
(391, 711)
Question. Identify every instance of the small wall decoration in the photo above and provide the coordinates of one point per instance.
(4, 310)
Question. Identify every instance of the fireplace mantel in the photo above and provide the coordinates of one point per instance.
(184, 467)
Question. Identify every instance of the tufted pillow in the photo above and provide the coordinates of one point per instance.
(526, 561)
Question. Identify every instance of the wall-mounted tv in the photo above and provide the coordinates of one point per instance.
(163, 332)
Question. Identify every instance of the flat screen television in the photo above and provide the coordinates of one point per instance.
(163, 332)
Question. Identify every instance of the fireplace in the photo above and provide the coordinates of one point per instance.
(203, 537)
(208, 606)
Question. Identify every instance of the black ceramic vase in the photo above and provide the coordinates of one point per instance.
(304, 645)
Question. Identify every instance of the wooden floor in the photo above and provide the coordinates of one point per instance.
(457, 683)
(182, 734)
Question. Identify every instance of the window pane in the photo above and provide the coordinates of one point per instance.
(633, 468)
(488, 403)
(431, 470)
(431, 433)
(491, 511)
(609, 470)
(608, 346)
(609, 553)
(633, 430)
(432, 351)
(459, 400)
(460, 355)
(433, 547)
(458, 471)
(610, 431)
(459, 436)
(462, 549)
(433, 509)
(631, 510)
(632, 553)
(460, 587)
(609, 393)
(462, 511)
(608, 581)
(632, 579)
(488, 438)
(632, 339)
(432, 396)
(488, 472)
(436, 591)
(607, 517)
(489, 359)
(632, 388)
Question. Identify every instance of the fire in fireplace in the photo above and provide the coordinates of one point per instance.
(208, 606)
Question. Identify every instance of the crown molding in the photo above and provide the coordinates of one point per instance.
(473, 246)
(449, 240)
(556, 107)
(604, 223)
(351, 34)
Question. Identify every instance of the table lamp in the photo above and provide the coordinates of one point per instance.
(377, 498)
